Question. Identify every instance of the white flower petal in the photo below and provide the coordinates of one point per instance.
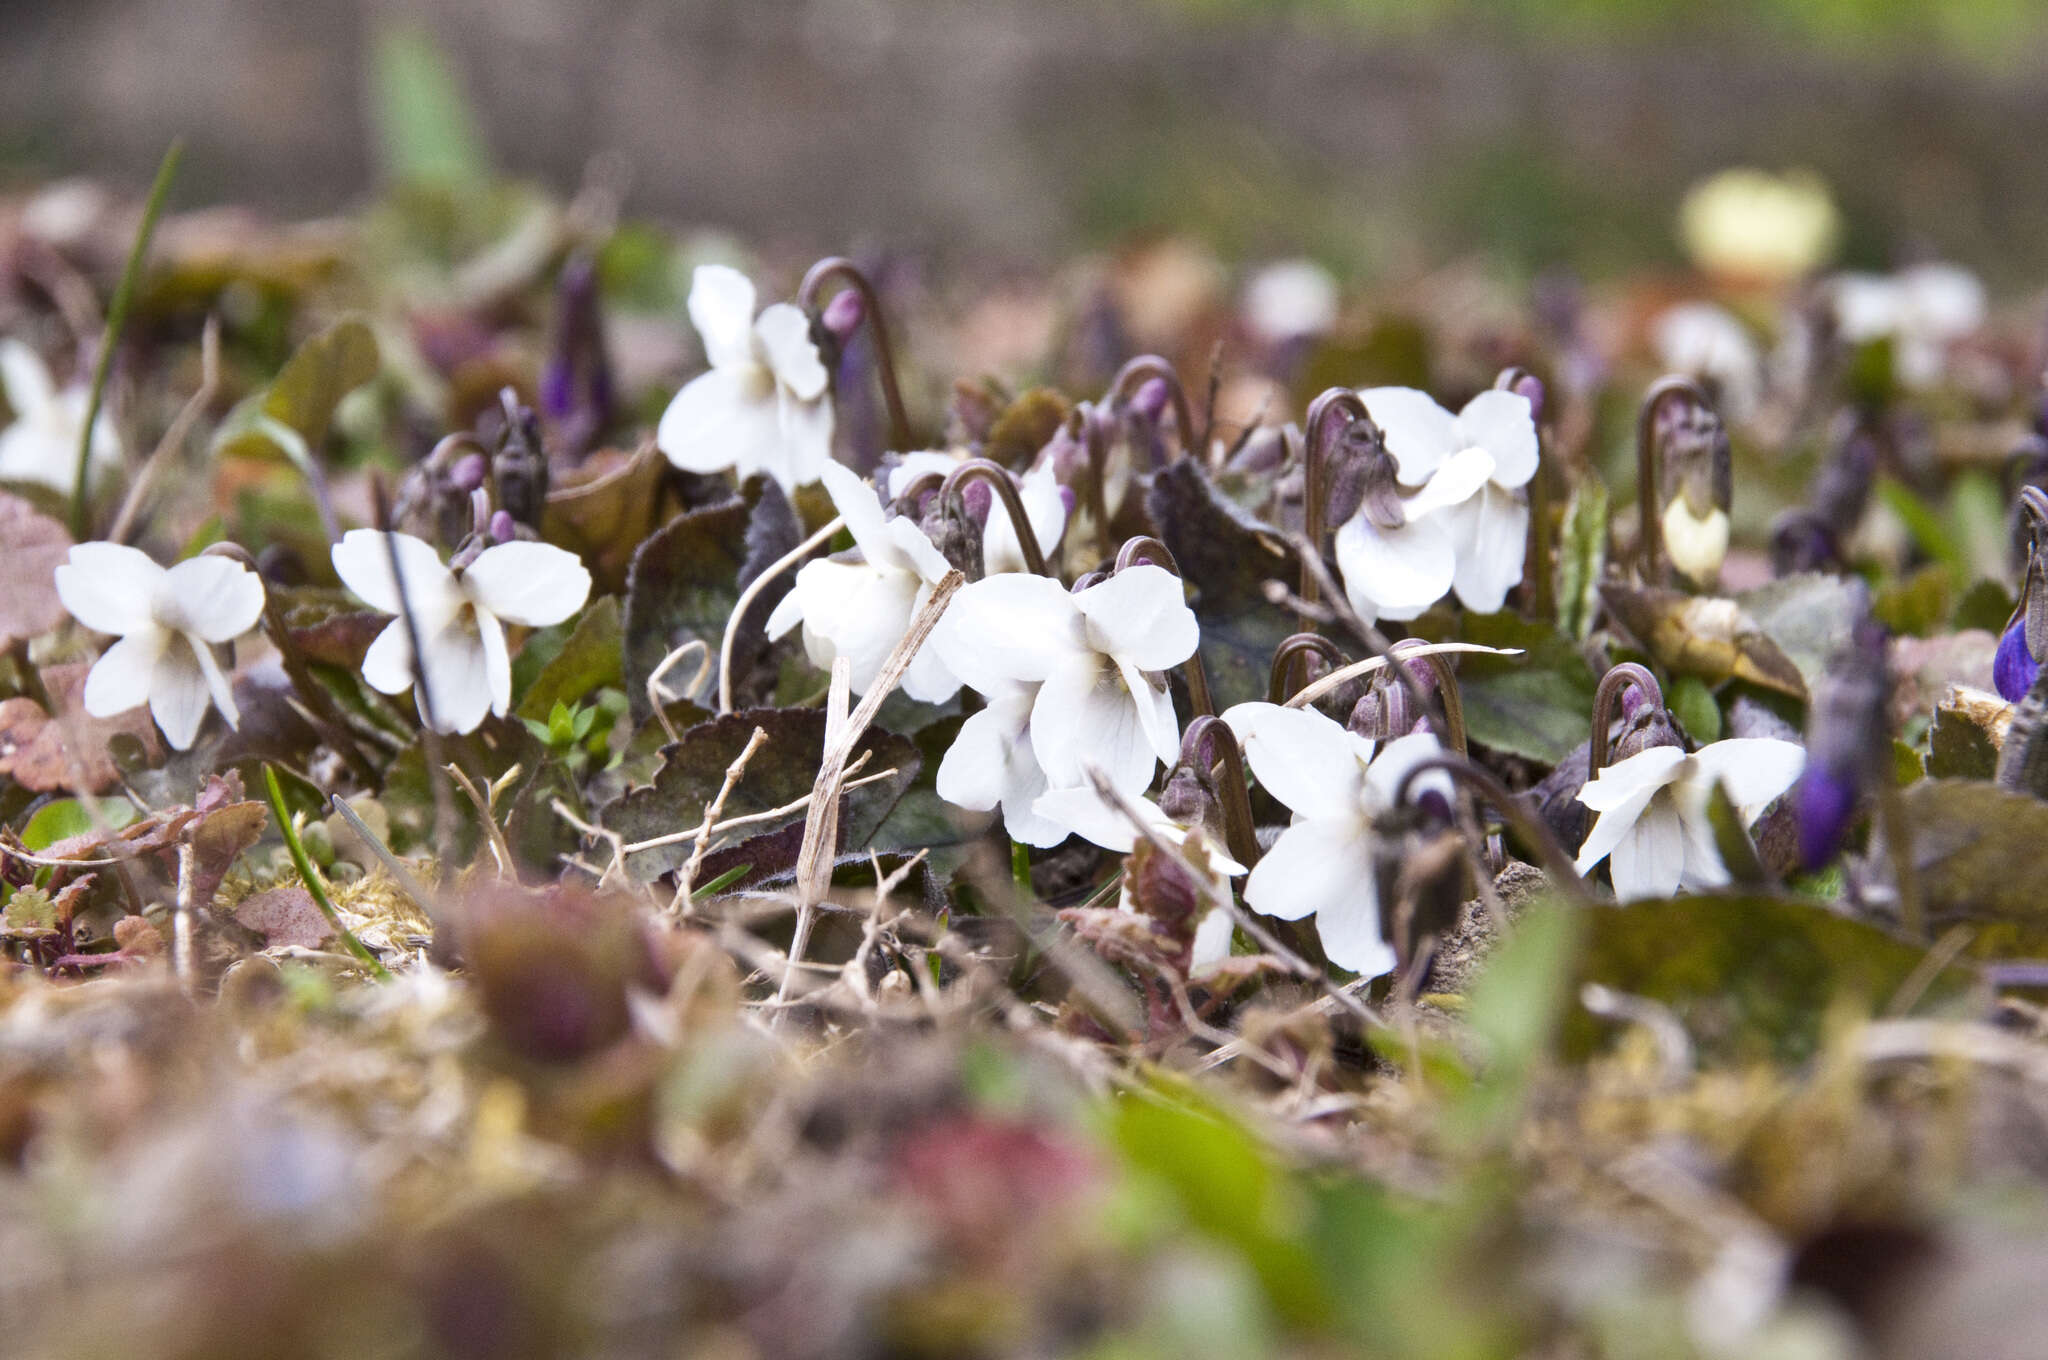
(1503, 424)
(1695, 546)
(991, 763)
(120, 679)
(1609, 828)
(725, 418)
(1491, 563)
(1624, 779)
(1420, 434)
(1351, 936)
(1316, 866)
(1040, 494)
(215, 597)
(534, 584)
(1754, 770)
(865, 519)
(1456, 481)
(458, 668)
(1213, 938)
(1649, 861)
(1005, 629)
(806, 432)
(1141, 615)
(497, 660)
(912, 467)
(109, 588)
(1153, 702)
(363, 562)
(217, 685)
(30, 390)
(722, 310)
(388, 663)
(1703, 869)
(30, 452)
(1093, 818)
(178, 694)
(1395, 759)
(1304, 759)
(784, 335)
(1084, 717)
(1395, 572)
(916, 552)
(870, 611)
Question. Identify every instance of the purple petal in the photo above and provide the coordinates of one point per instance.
(2013, 669)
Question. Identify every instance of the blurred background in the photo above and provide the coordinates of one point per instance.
(1382, 137)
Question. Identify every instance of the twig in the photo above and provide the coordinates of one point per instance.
(658, 694)
(821, 825)
(495, 838)
(1316, 689)
(117, 318)
(680, 904)
(747, 597)
(181, 925)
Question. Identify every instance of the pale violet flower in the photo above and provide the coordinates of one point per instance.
(1652, 826)
(766, 404)
(1095, 657)
(1924, 310)
(860, 609)
(1336, 783)
(1085, 813)
(1706, 341)
(41, 446)
(1290, 299)
(1038, 491)
(1467, 524)
(168, 622)
(461, 614)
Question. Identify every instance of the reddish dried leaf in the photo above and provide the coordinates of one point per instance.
(285, 916)
(31, 547)
(71, 752)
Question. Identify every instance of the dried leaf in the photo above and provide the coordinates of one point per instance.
(71, 751)
(32, 545)
(1704, 636)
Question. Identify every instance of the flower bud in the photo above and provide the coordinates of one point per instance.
(576, 392)
(1848, 739)
(520, 466)
(843, 314)
(2014, 668)
(503, 527)
(1696, 487)
(1530, 388)
(468, 473)
(1150, 402)
(1801, 541)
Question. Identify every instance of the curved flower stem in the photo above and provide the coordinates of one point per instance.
(1375, 641)
(1141, 549)
(986, 470)
(751, 593)
(1649, 471)
(1447, 692)
(809, 295)
(1299, 646)
(1095, 439)
(1142, 370)
(1613, 685)
(1541, 567)
(1238, 834)
(1513, 811)
(1315, 439)
(117, 317)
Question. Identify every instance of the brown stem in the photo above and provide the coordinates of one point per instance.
(1315, 439)
(1447, 693)
(1512, 810)
(1142, 370)
(1096, 440)
(1613, 685)
(1141, 549)
(983, 470)
(1540, 566)
(1234, 788)
(1299, 647)
(1376, 642)
(1649, 465)
(809, 298)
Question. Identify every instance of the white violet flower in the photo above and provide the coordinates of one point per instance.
(1095, 657)
(766, 404)
(1924, 309)
(991, 764)
(1653, 828)
(1708, 342)
(1336, 783)
(168, 622)
(461, 614)
(41, 446)
(861, 609)
(1466, 526)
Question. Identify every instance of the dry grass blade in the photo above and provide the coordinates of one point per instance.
(752, 593)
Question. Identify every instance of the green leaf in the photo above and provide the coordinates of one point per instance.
(686, 579)
(1975, 846)
(30, 914)
(67, 817)
(1694, 704)
(590, 658)
(294, 413)
(1514, 1010)
(425, 130)
(1582, 557)
(1534, 705)
(1918, 604)
(1748, 976)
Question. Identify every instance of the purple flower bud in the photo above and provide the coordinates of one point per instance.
(1068, 500)
(1068, 455)
(843, 314)
(1826, 803)
(977, 496)
(468, 473)
(1531, 386)
(2014, 668)
(557, 389)
(503, 527)
(1150, 402)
